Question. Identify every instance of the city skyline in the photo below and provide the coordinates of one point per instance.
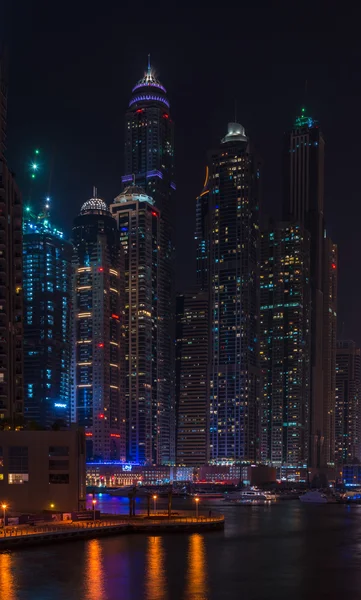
(275, 83)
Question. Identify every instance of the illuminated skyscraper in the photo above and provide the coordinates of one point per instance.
(233, 284)
(146, 401)
(348, 403)
(303, 202)
(98, 319)
(285, 292)
(47, 320)
(192, 378)
(149, 158)
(11, 281)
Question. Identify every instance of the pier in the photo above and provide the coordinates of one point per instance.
(22, 536)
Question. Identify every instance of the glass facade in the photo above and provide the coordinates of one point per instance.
(47, 321)
(233, 280)
(285, 344)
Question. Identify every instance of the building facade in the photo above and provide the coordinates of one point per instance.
(47, 321)
(11, 283)
(146, 399)
(149, 159)
(303, 201)
(98, 321)
(233, 284)
(330, 278)
(192, 378)
(43, 470)
(285, 324)
(348, 403)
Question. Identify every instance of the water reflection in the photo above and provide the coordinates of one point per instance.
(7, 585)
(156, 584)
(197, 569)
(94, 573)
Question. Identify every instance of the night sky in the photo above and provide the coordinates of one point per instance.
(72, 66)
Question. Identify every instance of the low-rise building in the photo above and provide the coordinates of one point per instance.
(42, 470)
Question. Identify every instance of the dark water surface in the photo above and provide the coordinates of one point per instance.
(288, 551)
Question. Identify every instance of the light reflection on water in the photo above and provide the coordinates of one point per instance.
(156, 583)
(94, 575)
(196, 587)
(7, 583)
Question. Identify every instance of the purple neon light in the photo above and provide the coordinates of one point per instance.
(149, 84)
(148, 97)
(127, 178)
(154, 173)
(173, 185)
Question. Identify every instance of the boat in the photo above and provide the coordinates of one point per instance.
(249, 498)
(207, 495)
(314, 497)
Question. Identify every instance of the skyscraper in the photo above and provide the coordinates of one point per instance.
(192, 378)
(303, 202)
(233, 276)
(285, 344)
(149, 158)
(330, 271)
(47, 320)
(98, 320)
(11, 281)
(146, 401)
(348, 403)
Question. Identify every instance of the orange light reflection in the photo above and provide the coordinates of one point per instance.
(156, 584)
(197, 588)
(7, 584)
(94, 575)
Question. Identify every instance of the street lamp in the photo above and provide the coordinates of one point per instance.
(52, 505)
(94, 503)
(4, 507)
(197, 501)
(155, 503)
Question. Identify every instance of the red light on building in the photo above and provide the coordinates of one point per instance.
(100, 345)
(140, 110)
(115, 317)
(100, 269)
(115, 435)
(88, 434)
(333, 266)
(154, 213)
(101, 416)
(165, 116)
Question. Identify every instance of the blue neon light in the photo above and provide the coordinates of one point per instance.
(143, 97)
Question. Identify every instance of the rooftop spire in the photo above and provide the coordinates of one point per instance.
(149, 67)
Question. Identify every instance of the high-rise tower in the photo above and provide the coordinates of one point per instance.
(149, 159)
(285, 344)
(98, 320)
(348, 403)
(192, 378)
(146, 415)
(303, 198)
(233, 276)
(47, 320)
(11, 281)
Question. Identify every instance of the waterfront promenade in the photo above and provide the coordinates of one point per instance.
(21, 536)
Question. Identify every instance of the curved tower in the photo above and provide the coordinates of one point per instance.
(98, 316)
(149, 163)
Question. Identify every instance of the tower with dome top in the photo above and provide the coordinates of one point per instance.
(98, 320)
